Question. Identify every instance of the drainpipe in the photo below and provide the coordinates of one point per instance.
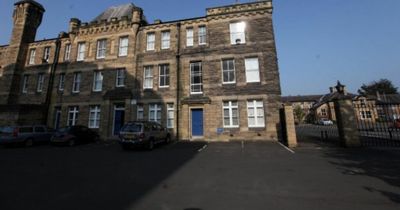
(49, 92)
(178, 64)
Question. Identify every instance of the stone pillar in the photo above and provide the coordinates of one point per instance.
(289, 126)
(347, 123)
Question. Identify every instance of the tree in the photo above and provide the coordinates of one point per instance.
(298, 114)
(383, 86)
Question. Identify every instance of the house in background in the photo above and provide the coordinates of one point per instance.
(305, 103)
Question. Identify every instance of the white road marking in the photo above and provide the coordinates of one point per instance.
(242, 145)
(287, 148)
(203, 148)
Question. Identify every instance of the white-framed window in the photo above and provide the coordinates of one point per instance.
(40, 81)
(170, 115)
(32, 54)
(76, 84)
(67, 53)
(101, 48)
(196, 78)
(202, 35)
(120, 78)
(25, 84)
(189, 37)
(73, 113)
(81, 51)
(123, 46)
(164, 75)
(165, 39)
(94, 116)
(255, 113)
(61, 82)
(252, 70)
(97, 81)
(231, 114)
(365, 115)
(46, 54)
(237, 31)
(139, 112)
(323, 112)
(151, 40)
(148, 77)
(155, 113)
(228, 71)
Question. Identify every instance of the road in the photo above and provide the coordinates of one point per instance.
(199, 176)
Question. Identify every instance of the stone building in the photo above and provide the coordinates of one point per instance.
(213, 77)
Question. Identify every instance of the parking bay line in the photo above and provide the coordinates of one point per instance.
(287, 148)
(203, 148)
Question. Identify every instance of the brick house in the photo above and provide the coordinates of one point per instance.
(213, 77)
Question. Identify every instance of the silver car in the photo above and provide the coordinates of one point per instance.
(143, 133)
(26, 135)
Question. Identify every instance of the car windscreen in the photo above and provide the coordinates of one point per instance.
(63, 130)
(132, 128)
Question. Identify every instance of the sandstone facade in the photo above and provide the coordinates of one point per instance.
(173, 72)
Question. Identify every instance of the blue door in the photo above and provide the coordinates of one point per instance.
(197, 122)
(119, 116)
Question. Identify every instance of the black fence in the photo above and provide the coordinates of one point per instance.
(378, 124)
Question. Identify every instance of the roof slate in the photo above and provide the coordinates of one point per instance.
(116, 12)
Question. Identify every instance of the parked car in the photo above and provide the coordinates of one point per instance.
(325, 122)
(26, 135)
(397, 124)
(73, 135)
(143, 133)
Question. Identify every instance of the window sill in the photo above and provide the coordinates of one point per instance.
(163, 87)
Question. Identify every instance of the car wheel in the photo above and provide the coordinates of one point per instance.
(29, 143)
(150, 145)
(71, 142)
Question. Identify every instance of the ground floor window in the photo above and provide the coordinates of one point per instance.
(365, 115)
(231, 114)
(170, 115)
(94, 117)
(155, 113)
(140, 113)
(73, 113)
(255, 113)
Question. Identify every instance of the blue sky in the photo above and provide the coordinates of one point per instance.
(318, 41)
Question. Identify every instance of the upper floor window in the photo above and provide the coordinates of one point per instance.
(196, 78)
(25, 84)
(120, 78)
(238, 35)
(164, 75)
(101, 48)
(165, 40)
(61, 82)
(228, 71)
(67, 53)
(252, 70)
(32, 55)
(40, 81)
(97, 81)
(81, 51)
(255, 113)
(189, 37)
(123, 46)
(202, 35)
(148, 77)
(231, 114)
(46, 54)
(76, 85)
(151, 39)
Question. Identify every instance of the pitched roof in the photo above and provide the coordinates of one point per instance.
(305, 98)
(389, 99)
(329, 98)
(116, 12)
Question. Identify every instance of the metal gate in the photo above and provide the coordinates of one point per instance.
(378, 124)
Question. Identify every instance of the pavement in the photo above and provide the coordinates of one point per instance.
(199, 176)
